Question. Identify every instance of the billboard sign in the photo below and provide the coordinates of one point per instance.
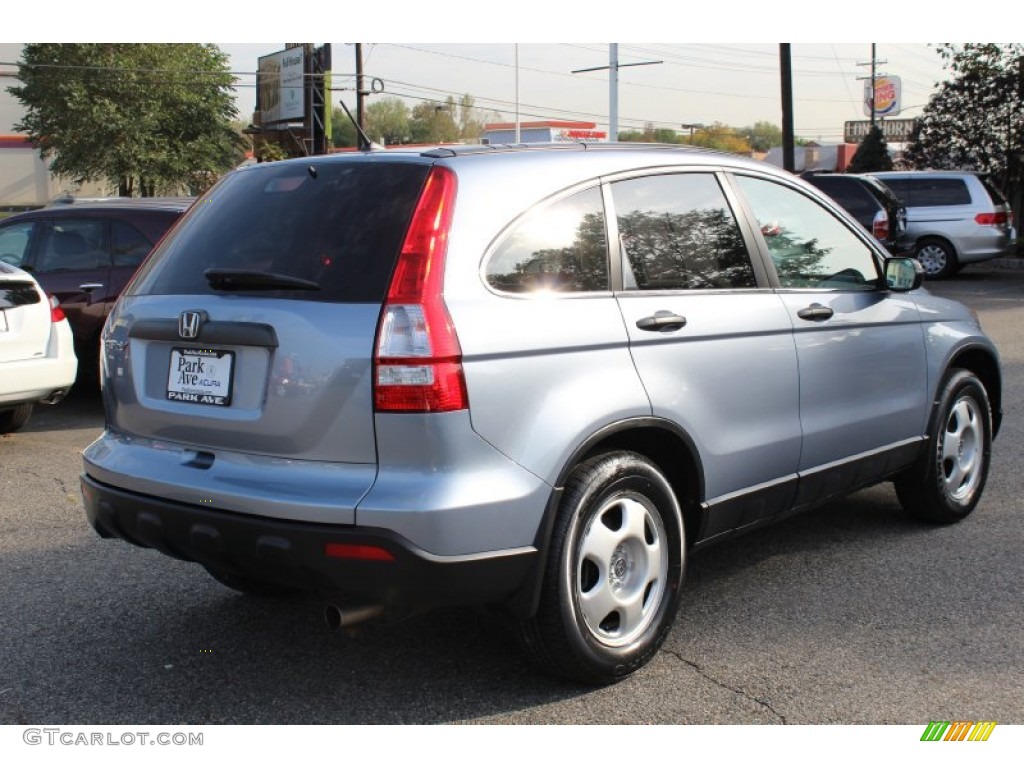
(280, 87)
(888, 95)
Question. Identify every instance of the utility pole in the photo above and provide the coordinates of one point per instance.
(360, 93)
(613, 86)
(788, 138)
(874, 74)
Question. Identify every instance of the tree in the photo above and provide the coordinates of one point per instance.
(762, 135)
(720, 136)
(975, 120)
(433, 123)
(343, 131)
(872, 154)
(387, 121)
(148, 118)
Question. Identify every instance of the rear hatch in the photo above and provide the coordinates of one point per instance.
(24, 317)
(251, 328)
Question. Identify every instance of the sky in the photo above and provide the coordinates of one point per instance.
(728, 72)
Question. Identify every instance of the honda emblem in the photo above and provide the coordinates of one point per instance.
(189, 324)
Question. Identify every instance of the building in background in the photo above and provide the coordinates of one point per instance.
(542, 131)
(834, 158)
(25, 178)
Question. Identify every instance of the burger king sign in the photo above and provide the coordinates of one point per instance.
(887, 92)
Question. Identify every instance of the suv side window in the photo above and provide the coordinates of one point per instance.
(677, 232)
(561, 247)
(809, 246)
(924, 192)
(71, 244)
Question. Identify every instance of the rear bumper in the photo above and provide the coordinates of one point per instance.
(294, 554)
(43, 380)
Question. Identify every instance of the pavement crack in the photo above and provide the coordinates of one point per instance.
(738, 691)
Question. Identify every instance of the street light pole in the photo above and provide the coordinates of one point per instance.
(518, 131)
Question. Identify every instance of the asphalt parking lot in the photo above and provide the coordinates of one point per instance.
(851, 614)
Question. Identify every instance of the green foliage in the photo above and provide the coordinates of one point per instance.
(390, 121)
(434, 123)
(150, 118)
(722, 137)
(343, 132)
(975, 120)
(387, 121)
(762, 135)
(872, 154)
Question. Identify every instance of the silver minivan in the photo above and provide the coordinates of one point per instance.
(955, 217)
(529, 377)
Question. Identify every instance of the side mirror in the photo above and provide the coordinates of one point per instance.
(903, 274)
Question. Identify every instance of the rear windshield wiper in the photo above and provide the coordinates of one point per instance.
(222, 279)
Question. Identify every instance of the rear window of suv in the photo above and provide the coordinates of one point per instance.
(849, 193)
(923, 192)
(338, 225)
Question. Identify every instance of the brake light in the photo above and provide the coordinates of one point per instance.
(56, 313)
(880, 226)
(418, 361)
(995, 219)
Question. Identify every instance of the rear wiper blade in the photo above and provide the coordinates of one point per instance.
(222, 279)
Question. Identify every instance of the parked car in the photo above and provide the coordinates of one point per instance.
(955, 218)
(37, 356)
(84, 252)
(531, 377)
(871, 203)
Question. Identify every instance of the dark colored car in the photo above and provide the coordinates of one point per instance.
(84, 254)
(870, 202)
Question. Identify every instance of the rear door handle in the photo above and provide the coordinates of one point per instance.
(662, 321)
(89, 287)
(815, 312)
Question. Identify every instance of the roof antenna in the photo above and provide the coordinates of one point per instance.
(364, 141)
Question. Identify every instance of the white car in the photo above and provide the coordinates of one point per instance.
(37, 354)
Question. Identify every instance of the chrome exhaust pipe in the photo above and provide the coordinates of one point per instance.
(340, 618)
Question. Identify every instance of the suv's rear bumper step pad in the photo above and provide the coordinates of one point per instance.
(293, 554)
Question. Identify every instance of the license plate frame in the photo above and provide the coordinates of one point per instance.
(198, 375)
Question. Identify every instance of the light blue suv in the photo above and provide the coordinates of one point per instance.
(529, 377)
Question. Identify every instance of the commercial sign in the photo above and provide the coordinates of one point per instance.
(578, 134)
(280, 86)
(888, 93)
(892, 130)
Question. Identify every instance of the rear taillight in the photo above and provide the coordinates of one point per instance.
(880, 226)
(418, 361)
(56, 313)
(995, 219)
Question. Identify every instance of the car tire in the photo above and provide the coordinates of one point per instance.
(937, 258)
(13, 419)
(614, 571)
(252, 587)
(948, 480)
